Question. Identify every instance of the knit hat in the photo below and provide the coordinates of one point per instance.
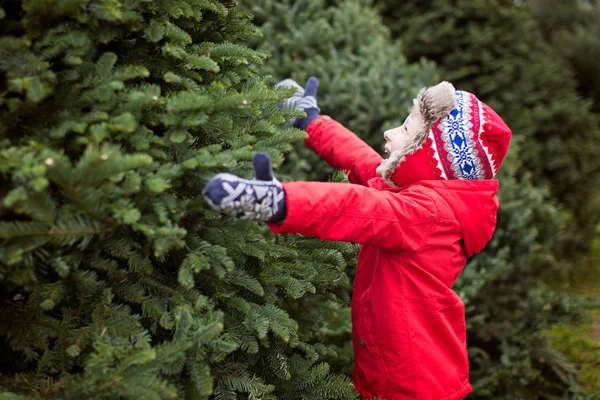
(461, 138)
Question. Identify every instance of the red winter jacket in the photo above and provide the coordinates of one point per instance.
(408, 332)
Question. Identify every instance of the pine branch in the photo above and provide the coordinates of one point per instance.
(11, 230)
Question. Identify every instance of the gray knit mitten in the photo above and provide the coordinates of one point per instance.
(305, 100)
(258, 199)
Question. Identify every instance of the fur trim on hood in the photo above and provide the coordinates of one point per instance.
(431, 105)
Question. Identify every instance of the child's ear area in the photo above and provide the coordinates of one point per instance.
(414, 123)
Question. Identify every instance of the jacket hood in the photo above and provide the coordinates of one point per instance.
(475, 205)
(431, 105)
(460, 138)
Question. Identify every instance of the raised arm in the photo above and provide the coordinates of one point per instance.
(342, 149)
(334, 143)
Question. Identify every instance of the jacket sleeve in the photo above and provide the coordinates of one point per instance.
(342, 149)
(351, 213)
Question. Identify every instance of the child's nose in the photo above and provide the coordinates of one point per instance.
(387, 136)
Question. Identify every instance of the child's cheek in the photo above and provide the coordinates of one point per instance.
(398, 143)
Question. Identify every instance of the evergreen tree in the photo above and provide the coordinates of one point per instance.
(573, 30)
(363, 73)
(365, 80)
(117, 280)
(496, 50)
(365, 83)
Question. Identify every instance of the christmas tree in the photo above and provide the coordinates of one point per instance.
(365, 79)
(367, 84)
(573, 31)
(117, 280)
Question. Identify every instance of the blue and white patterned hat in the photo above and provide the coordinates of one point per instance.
(461, 138)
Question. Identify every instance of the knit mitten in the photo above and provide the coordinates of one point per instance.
(305, 100)
(258, 199)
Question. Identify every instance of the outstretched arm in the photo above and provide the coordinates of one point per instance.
(398, 222)
(351, 213)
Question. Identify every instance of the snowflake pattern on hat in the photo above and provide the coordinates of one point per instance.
(456, 137)
(469, 141)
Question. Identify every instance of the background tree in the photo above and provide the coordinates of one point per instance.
(573, 30)
(364, 73)
(116, 280)
(365, 80)
(496, 49)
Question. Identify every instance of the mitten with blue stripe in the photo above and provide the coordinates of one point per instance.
(258, 199)
(303, 99)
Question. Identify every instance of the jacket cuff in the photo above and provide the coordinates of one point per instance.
(296, 200)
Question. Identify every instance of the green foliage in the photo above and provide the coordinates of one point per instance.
(365, 80)
(364, 77)
(508, 307)
(117, 280)
(496, 50)
(581, 344)
(573, 30)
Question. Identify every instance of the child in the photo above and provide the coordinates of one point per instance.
(419, 214)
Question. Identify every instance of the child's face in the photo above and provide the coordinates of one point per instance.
(397, 138)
